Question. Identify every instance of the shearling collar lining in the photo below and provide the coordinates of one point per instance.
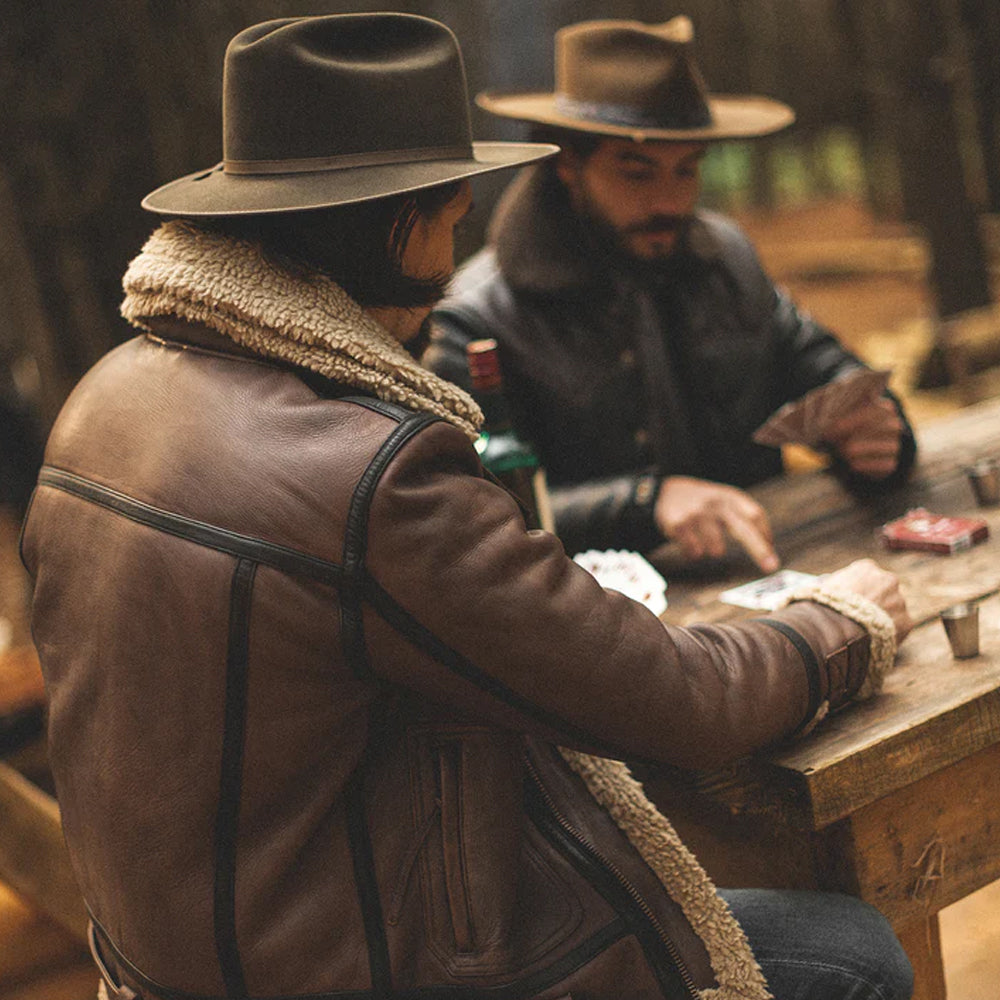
(737, 974)
(543, 247)
(227, 285)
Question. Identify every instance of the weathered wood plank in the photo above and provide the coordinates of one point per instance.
(930, 844)
(33, 857)
(934, 710)
(922, 943)
(30, 941)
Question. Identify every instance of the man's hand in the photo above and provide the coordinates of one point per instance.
(868, 579)
(868, 439)
(698, 515)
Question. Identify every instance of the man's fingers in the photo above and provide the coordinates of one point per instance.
(752, 512)
(872, 457)
(703, 536)
(876, 419)
(756, 543)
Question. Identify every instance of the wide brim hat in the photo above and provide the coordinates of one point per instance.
(338, 109)
(638, 81)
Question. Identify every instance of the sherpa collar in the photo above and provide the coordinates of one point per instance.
(228, 285)
(737, 974)
(543, 247)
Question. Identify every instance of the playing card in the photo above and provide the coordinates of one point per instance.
(628, 573)
(806, 420)
(769, 592)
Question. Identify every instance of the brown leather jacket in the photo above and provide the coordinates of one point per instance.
(307, 671)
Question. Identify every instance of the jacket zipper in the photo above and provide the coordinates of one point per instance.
(608, 867)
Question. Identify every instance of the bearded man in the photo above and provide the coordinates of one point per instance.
(642, 343)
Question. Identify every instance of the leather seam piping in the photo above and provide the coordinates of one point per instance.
(356, 544)
(573, 960)
(231, 780)
(809, 663)
(287, 560)
(423, 638)
(366, 884)
(658, 960)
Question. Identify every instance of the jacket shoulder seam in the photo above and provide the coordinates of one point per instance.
(356, 533)
(287, 560)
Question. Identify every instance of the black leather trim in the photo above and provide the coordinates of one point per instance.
(661, 963)
(286, 560)
(531, 985)
(356, 539)
(231, 780)
(367, 887)
(516, 990)
(809, 663)
(151, 985)
(392, 410)
(423, 638)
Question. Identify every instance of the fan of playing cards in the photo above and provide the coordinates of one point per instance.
(628, 573)
(806, 420)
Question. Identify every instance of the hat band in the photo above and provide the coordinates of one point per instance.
(311, 164)
(629, 115)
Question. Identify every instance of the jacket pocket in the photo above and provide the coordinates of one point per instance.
(489, 900)
(447, 757)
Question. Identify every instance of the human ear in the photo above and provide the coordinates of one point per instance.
(567, 165)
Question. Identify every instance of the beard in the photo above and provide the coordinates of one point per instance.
(612, 241)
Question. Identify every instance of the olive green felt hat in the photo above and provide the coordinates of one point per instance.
(323, 111)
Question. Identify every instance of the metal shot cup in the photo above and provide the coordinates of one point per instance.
(984, 478)
(961, 625)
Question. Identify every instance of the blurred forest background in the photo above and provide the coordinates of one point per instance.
(898, 106)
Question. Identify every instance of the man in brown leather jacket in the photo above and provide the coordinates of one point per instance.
(326, 720)
(641, 340)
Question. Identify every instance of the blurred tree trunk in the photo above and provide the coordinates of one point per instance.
(982, 21)
(904, 54)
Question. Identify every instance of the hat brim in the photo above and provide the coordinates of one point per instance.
(733, 117)
(213, 192)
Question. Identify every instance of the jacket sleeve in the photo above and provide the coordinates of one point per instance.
(809, 355)
(466, 606)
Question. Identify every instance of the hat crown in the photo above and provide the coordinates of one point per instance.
(632, 73)
(316, 88)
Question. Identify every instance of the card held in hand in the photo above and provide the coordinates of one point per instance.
(806, 420)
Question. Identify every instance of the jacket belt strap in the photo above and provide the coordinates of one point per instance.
(109, 989)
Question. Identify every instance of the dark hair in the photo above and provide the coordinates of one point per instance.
(358, 246)
(581, 144)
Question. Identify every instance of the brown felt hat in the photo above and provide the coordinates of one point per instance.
(638, 81)
(323, 111)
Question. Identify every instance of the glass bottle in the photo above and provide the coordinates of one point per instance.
(503, 453)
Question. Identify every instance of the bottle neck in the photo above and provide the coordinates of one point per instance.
(496, 411)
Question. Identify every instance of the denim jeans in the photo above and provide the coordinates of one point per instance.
(822, 946)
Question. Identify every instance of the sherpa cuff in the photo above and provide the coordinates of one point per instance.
(872, 618)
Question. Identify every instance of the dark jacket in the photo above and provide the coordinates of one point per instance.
(619, 379)
(307, 670)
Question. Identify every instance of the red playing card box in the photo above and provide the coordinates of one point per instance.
(926, 532)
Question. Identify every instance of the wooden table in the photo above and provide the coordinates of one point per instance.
(896, 800)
